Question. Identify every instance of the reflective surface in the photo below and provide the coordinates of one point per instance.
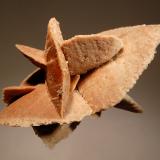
(117, 134)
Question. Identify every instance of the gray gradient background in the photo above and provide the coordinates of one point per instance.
(117, 135)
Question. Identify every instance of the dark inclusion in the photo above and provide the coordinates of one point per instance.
(37, 78)
(44, 130)
(74, 125)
